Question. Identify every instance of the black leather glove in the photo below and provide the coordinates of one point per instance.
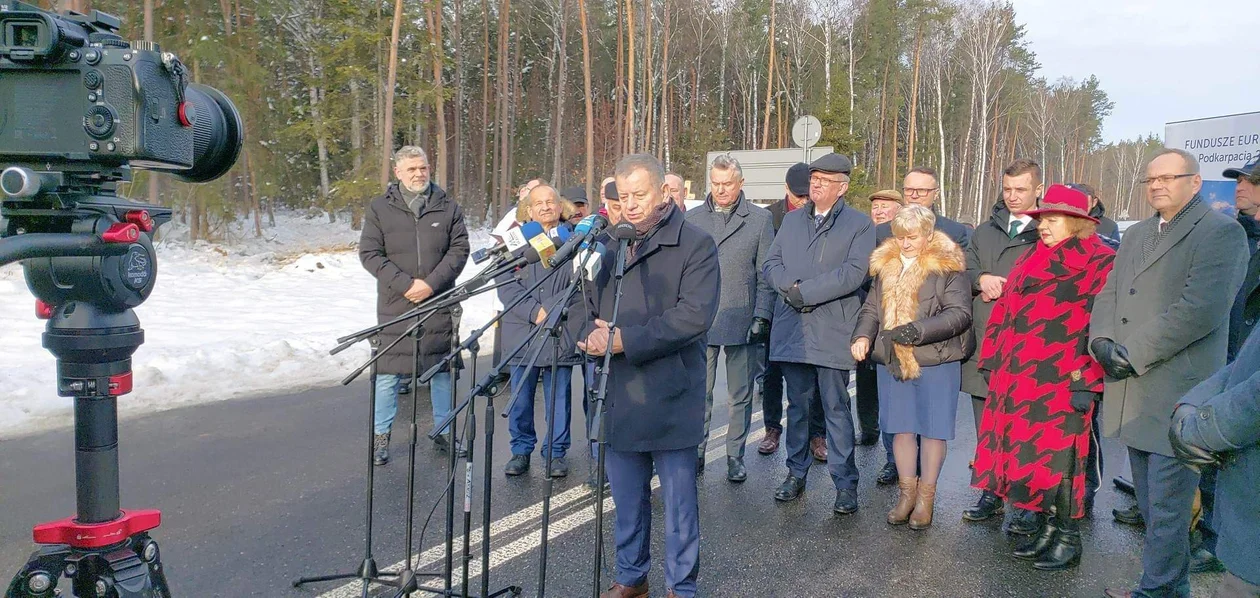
(1113, 357)
(1194, 457)
(794, 297)
(906, 334)
(1082, 399)
(759, 332)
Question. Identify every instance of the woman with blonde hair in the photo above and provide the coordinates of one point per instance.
(916, 326)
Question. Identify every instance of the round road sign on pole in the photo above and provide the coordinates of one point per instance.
(806, 131)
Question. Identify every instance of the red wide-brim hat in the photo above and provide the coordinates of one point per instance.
(1060, 199)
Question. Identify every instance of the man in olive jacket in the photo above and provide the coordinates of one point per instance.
(415, 244)
(1159, 327)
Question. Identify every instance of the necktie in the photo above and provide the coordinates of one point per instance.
(1014, 228)
(818, 220)
(1163, 227)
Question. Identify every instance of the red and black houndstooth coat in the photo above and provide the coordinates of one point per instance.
(1036, 354)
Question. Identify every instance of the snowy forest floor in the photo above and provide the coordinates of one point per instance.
(245, 317)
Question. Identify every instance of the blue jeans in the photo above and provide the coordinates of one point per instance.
(521, 417)
(440, 395)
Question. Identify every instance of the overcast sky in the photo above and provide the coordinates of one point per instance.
(1158, 60)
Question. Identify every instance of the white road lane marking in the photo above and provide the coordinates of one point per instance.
(529, 515)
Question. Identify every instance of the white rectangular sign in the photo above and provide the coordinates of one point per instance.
(1219, 143)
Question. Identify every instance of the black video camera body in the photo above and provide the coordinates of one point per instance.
(74, 96)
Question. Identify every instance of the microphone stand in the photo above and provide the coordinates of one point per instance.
(368, 571)
(552, 327)
(601, 394)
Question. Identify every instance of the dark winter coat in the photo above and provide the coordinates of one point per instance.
(1228, 421)
(518, 324)
(1036, 349)
(1106, 226)
(779, 209)
(932, 295)
(1246, 309)
(656, 386)
(991, 251)
(1170, 310)
(397, 247)
(952, 228)
(831, 263)
(743, 238)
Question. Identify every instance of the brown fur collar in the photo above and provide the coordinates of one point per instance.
(899, 290)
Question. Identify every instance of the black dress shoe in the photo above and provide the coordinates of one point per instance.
(1203, 561)
(1024, 523)
(846, 502)
(1031, 550)
(868, 438)
(1129, 516)
(790, 490)
(1065, 553)
(887, 475)
(517, 465)
(988, 506)
(735, 470)
(559, 467)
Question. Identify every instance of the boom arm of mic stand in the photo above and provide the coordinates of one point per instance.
(489, 378)
(555, 316)
(476, 335)
(381, 353)
(437, 302)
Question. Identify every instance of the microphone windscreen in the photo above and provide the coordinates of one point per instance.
(624, 232)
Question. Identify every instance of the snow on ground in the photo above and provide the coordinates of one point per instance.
(246, 318)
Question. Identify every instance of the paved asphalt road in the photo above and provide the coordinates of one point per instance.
(258, 492)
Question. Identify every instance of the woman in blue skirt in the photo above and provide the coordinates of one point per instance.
(916, 326)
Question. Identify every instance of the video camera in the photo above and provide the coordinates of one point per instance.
(79, 108)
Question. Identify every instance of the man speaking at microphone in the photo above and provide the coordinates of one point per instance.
(415, 244)
(656, 381)
(521, 323)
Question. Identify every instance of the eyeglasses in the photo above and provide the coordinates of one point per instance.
(917, 192)
(823, 181)
(1164, 180)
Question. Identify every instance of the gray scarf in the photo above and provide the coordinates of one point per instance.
(1156, 237)
(416, 201)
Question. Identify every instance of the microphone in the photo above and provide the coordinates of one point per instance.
(624, 232)
(589, 261)
(543, 246)
(583, 233)
(513, 239)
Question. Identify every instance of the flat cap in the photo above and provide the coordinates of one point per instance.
(887, 195)
(610, 191)
(834, 163)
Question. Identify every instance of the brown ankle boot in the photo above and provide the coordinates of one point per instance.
(905, 501)
(921, 518)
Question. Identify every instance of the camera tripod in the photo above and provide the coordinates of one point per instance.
(104, 552)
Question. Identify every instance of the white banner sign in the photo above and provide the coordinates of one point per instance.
(1218, 143)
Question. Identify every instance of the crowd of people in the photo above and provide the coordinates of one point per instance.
(1056, 328)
